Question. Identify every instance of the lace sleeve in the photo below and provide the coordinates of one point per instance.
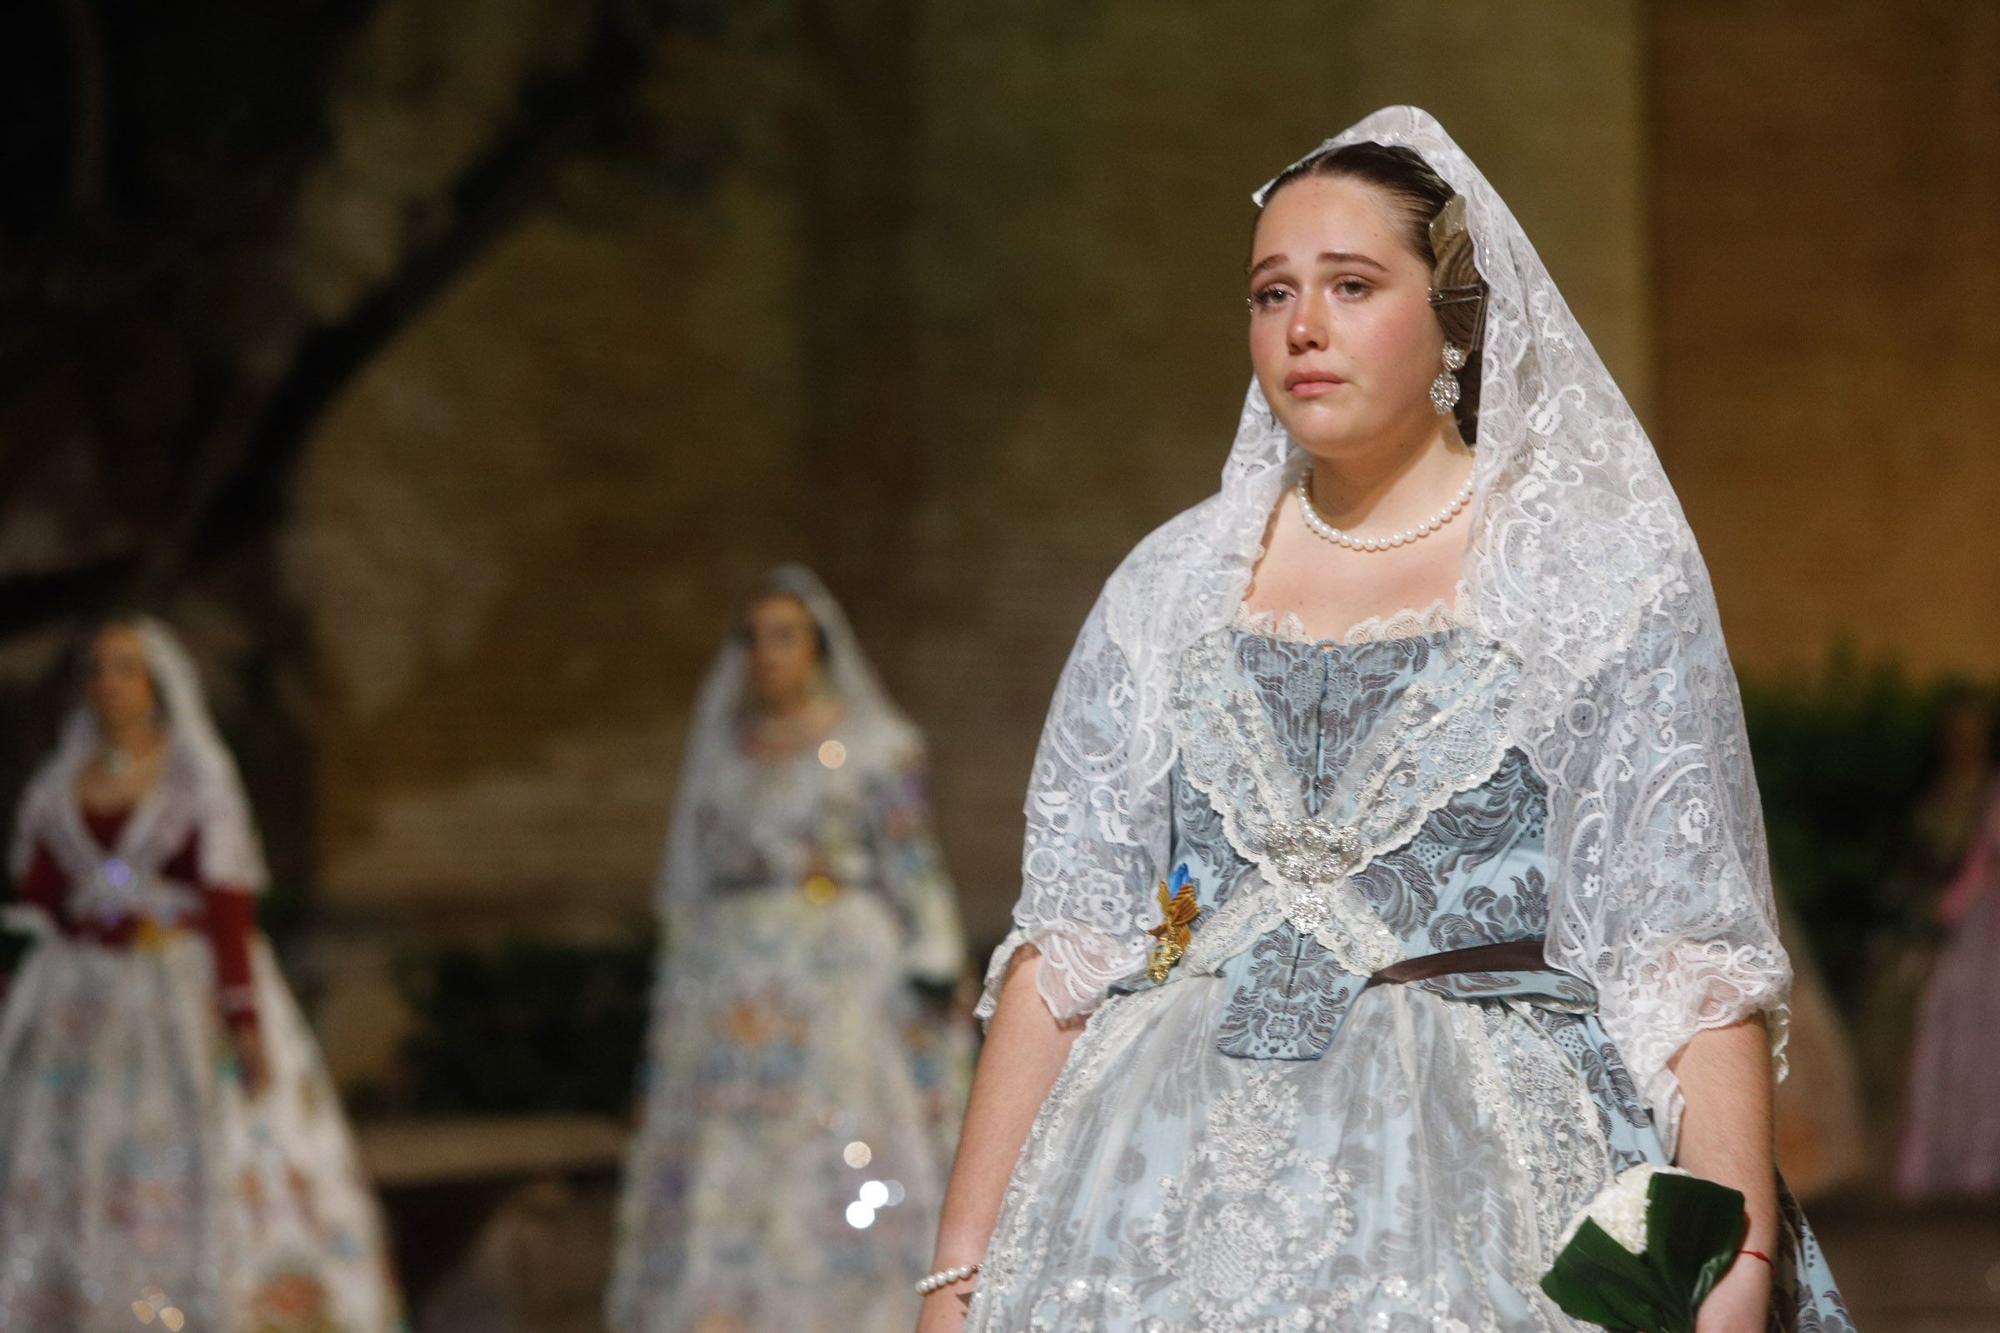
(1093, 848)
(1661, 891)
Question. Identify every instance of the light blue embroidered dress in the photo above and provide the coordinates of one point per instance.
(1263, 1142)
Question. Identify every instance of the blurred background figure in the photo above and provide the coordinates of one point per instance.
(1951, 1128)
(171, 1148)
(806, 1064)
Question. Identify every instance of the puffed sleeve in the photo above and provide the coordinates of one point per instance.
(229, 918)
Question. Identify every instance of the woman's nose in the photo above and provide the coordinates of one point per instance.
(1307, 331)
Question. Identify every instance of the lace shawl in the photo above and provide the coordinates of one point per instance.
(876, 734)
(199, 790)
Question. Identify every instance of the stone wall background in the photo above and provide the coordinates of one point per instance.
(958, 322)
(1826, 208)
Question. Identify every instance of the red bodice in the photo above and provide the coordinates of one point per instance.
(228, 914)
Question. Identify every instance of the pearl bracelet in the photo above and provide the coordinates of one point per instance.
(944, 1277)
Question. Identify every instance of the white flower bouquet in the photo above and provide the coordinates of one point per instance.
(1647, 1251)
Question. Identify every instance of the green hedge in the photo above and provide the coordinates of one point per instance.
(1843, 757)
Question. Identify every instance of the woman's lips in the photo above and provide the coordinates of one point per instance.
(1311, 384)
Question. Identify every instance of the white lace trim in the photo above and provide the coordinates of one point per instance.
(1068, 954)
(1413, 622)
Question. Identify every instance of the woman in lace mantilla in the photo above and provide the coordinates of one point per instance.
(806, 1066)
(172, 1151)
(1359, 945)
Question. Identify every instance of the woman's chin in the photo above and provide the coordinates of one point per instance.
(1338, 437)
(1327, 440)
(1317, 424)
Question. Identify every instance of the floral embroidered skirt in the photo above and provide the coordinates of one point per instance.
(140, 1187)
(1416, 1176)
(802, 1102)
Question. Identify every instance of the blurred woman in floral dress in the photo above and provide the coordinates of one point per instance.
(806, 1064)
(172, 1154)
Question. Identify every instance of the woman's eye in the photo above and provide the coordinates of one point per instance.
(1351, 289)
(1266, 298)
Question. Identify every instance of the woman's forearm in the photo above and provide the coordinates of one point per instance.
(1725, 1077)
(1025, 1050)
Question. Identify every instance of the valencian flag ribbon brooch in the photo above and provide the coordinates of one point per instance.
(1178, 910)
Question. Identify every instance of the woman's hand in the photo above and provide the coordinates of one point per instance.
(944, 1309)
(1740, 1302)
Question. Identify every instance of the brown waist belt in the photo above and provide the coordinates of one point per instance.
(1513, 956)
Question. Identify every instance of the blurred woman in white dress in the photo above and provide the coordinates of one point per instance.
(806, 1066)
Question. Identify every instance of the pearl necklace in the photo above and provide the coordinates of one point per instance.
(1323, 529)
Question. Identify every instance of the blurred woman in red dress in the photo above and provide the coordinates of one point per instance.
(172, 1153)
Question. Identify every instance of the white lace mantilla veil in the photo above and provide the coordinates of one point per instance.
(870, 722)
(1581, 566)
(199, 790)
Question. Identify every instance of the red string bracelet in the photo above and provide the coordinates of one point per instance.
(1759, 1254)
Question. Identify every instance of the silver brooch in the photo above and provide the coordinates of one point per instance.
(1306, 851)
